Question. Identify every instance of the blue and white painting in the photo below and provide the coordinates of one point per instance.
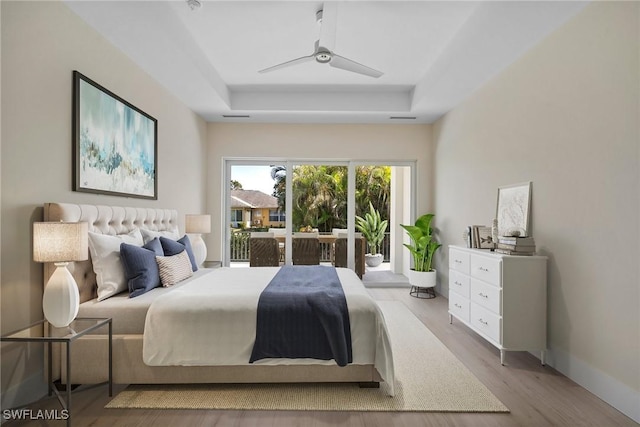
(116, 145)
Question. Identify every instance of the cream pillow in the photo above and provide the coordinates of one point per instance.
(174, 268)
(105, 256)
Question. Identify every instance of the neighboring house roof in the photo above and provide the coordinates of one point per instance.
(253, 199)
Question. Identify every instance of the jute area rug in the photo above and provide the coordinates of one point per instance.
(429, 378)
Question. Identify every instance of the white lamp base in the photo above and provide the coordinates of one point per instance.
(61, 300)
(199, 249)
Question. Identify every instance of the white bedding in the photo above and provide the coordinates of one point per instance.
(128, 314)
(212, 321)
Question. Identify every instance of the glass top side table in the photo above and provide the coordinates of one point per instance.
(42, 331)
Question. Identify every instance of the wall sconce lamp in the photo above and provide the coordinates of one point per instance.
(198, 225)
(60, 243)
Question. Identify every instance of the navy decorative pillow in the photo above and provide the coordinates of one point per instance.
(173, 247)
(187, 244)
(155, 245)
(140, 266)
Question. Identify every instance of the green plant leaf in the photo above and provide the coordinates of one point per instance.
(372, 228)
(422, 247)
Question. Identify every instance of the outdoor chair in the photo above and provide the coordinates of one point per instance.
(279, 232)
(306, 249)
(341, 253)
(263, 250)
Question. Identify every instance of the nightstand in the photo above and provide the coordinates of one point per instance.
(42, 331)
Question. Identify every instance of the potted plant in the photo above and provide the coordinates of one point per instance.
(372, 228)
(422, 248)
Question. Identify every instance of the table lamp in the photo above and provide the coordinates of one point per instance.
(60, 243)
(197, 225)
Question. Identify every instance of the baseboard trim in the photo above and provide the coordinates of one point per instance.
(619, 395)
(615, 393)
(386, 285)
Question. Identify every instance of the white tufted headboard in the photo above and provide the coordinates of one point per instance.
(110, 220)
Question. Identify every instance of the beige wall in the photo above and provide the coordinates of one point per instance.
(308, 141)
(42, 43)
(566, 117)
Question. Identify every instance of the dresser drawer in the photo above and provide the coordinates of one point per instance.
(488, 296)
(459, 283)
(459, 261)
(486, 322)
(459, 306)
(486, 269)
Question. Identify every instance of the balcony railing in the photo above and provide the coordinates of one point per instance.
(240, 247)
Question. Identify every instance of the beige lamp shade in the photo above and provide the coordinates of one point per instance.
(198, 224)
(60, 241)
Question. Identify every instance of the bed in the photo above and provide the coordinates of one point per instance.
(372, 357)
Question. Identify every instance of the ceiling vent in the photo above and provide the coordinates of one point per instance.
(402, 118)
(233, 116)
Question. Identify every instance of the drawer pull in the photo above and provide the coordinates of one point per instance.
(486, 270)
(457, 261)
(457, 283)
(483, 295)
(483, 321)
(457, 305)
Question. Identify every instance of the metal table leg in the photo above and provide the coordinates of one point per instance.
(68, 383)
(110, 360)
(49, 368)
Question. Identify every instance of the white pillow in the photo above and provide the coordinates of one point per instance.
(148, 235)
(105, 256)
(174, 268)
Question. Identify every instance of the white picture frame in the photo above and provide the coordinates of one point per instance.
(513, 210)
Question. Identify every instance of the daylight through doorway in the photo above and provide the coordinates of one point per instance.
(324, 198)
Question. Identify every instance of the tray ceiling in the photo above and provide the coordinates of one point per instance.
(433, 54)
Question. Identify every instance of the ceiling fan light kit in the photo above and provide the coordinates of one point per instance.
(194, 4)
(324, 55)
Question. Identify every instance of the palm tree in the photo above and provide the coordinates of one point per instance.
(373, 185)
(314, 196)
(320, 193)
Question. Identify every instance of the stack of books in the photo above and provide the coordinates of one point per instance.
(516, 246)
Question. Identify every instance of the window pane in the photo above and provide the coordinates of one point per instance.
(276, 216)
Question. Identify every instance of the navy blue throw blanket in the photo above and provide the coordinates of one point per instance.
(302, 313)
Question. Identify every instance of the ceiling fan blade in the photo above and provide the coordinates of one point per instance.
(343, 63)
(296, 61)
(328, 25)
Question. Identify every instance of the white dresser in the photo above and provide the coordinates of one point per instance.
(501, 297)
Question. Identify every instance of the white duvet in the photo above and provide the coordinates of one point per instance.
(212, 321)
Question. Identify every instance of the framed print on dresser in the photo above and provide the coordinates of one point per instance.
(115, 144)
(513, 210)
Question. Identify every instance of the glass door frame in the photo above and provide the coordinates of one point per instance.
(289, 163)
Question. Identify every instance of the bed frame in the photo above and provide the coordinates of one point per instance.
(90, 354)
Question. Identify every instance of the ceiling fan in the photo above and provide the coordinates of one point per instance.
(322, 53)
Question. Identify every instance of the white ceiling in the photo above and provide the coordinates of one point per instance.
(433, 53)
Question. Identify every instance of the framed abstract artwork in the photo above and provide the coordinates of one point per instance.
(115, 144)
(513, 209)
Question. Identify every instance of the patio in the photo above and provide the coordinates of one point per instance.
(374, 277)
(380, 276)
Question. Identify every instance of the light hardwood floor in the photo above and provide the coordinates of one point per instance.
(536, 395)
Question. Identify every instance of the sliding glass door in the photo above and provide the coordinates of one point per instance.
(251, 205)
(292, 197)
